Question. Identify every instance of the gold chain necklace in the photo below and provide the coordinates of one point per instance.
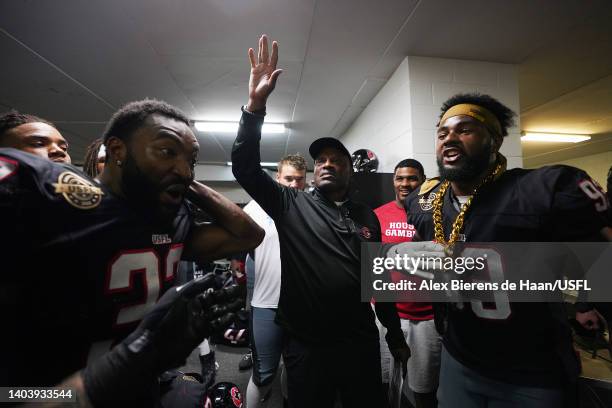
(458, 224)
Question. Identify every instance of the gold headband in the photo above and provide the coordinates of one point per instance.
(477, 112)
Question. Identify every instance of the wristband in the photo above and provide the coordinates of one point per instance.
(261, 112)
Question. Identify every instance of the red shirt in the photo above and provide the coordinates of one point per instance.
(394, 228)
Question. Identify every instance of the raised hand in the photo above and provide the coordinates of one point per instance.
(263, 74)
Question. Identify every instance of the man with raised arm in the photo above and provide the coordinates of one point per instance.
(331, 337)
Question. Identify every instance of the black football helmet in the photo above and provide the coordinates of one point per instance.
(364, 161)
(223, 395)
(236, 334)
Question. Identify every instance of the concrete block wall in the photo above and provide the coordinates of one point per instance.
(384, 126)
(400, 121)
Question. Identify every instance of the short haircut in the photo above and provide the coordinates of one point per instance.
(90, 163)
(132, 115)
(12, 119)
(415, 164)
(504, 114)
(294, 160)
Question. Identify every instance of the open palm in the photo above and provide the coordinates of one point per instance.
(263, 74)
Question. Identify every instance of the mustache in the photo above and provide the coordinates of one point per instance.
(452, 145)
(175, 184)
(139, 185)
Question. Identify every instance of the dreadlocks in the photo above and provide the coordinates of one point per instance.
(90, 163)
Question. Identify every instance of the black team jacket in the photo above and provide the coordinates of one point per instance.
(320, 246)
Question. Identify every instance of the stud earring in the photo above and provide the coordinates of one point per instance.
(119, 163)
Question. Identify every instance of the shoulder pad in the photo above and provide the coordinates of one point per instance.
(429, 185)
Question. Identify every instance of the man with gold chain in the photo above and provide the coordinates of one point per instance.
(488, 360)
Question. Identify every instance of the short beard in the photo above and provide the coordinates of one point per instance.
(472, 167)
(331, 188)
(141, 192)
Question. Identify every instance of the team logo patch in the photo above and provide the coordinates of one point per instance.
(7, 168)
(160, 239)
(79, 192)
(427, 203)
(236, 397)
(188, 377)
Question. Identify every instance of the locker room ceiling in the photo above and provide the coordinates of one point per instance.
(75, 62)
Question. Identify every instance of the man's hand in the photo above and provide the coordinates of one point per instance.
(590, 320)
(263, 74)
(180, 320)
(401, 355)
(417, 250)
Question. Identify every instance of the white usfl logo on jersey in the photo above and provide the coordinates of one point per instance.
(78, 191)
(7, 168)
(160, 239)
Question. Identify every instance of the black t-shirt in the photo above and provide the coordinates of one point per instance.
(531, 345)
(80, 267)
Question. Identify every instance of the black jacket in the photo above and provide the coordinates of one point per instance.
(519, 343)
(320, 245)
(67, 253)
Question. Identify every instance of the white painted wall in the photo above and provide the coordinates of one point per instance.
(214, 172)
(385, 124)
(234, 192)
(400, 121)
(596, 165)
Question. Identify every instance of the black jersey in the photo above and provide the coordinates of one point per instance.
(529, 343)
(80, 267)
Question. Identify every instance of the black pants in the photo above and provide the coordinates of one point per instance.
(317, 373)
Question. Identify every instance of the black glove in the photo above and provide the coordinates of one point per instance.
(399, 349)
(180, 320)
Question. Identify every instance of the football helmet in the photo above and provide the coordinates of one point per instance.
(223, 395)
(364, 161)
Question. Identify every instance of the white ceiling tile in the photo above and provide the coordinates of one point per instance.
(31, 85)
(587, 110)
(85, 59)
(222, 28)
(368, 90)
(97, 44)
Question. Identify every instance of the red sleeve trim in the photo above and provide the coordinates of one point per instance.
(8, 167)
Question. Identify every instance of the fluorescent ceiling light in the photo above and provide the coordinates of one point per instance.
(216, 126)
(554, 137)
(263, 164)
(232, 127)
(273, 128)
